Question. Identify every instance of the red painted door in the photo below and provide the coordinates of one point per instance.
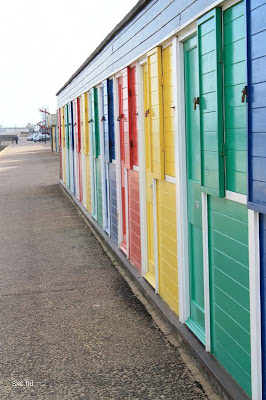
(134, 219)
(122, 125)
(79, 151)
(133, 176)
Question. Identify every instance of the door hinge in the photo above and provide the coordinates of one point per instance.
(223, 152)
(221, 56)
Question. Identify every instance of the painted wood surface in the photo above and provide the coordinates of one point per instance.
(63, 144)
(88, 182)
(71, 146)
(263, 297)
(134, 219)
(154, 113)
(234, 31)
(94, 151)
(169, 110)
(113, 202)
(67, 146)
(256, 49)
(76, 158)
(79, 141)
(150, 268)
(133, 116)
(60, 142)
(99, 192)
(111, 118)
(84, 118)
(122, 126)
(167, 243)
(210, 103)
(196, 321)
(157, 20)
(229, 287)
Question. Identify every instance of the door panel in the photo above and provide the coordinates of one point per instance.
(196, 319)
(150, 275)
(99, 192)
(168, 111)
(134, 219)
(154, 112)
(234, 27)
(229, 288)
(122, 127)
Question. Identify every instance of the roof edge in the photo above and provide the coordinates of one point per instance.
(129, 16)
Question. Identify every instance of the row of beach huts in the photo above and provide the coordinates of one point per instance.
(162, 139)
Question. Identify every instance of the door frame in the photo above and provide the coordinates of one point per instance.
(142, 185)
(142, 168)
(103, 170)
(92, 168)
(181, 193)
(118, 159)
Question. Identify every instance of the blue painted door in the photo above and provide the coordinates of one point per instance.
(256, 51)
(105, 122)
(256, 30)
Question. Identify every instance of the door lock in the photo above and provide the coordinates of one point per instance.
(195, 101)
(120, 117)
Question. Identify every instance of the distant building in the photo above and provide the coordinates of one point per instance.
(16, 130)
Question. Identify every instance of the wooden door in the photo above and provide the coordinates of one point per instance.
(150, 275)
(123, 124)
(196, 320)
(106, 155)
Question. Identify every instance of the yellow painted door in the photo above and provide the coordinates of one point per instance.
(150, 275)
(168, 111)
(154, 113)
(166, 194)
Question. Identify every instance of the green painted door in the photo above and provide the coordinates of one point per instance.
(196, 320)
(234, 31)
(99, 192)
(229, 287)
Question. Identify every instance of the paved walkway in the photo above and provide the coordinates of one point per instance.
(68, 320)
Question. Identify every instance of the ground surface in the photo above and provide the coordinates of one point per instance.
(68, 320)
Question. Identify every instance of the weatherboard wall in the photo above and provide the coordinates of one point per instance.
(151, 25)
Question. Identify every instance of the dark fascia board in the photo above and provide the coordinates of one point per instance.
(135, 10)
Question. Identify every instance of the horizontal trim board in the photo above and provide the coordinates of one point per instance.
(237, 197)
(261, 208)
(217, 376)
(113, 69)
(132, 13)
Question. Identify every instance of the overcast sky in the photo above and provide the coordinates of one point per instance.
(42, 43)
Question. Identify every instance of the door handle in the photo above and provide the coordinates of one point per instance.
(244, 94)
(147, 112)
(120, 117)
(195, 101)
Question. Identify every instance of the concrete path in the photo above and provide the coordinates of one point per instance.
(70, 327)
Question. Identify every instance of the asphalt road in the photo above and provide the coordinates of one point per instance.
(70, 326)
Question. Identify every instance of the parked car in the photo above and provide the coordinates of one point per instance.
(41, 137)
(32, 136)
